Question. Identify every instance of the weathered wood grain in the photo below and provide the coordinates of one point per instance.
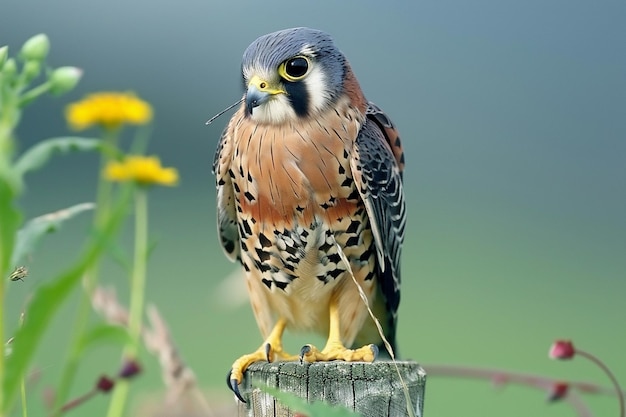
(371, 389)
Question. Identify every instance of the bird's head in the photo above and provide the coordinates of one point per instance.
(291, 73)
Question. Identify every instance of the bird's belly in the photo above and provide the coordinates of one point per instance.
(294, 273)
(304, 303)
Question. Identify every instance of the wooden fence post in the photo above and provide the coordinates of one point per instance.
(371, 389)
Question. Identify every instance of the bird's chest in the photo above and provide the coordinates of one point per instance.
(297, 204)
(292, 171)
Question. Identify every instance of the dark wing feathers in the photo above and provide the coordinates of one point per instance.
(226, 208)
(389, 130)
(377, 171)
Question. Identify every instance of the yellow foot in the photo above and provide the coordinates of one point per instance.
(333, 352)
(235, 375)
(269, 351)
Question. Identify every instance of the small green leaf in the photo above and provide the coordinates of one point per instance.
(103, 334)
(29, 236)
(48, 298)
(37, 156)
(314, 409)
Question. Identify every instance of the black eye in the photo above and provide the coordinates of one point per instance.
(296, 67)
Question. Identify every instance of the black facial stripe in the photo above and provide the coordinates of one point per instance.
(298, 96)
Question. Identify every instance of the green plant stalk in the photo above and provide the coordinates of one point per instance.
(23, 392)
(103, 201)
(2, 304)
(33, 93)
(103, 211)
(2, 343)
(138, 285)
(23, 383)
(8, 120)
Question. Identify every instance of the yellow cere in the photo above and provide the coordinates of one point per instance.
(108, 109)
(264, 86)
(144, 170)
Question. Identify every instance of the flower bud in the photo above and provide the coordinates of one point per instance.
(105, 384)
(36, 48)
(64, 79)
(558, 391)
(562, 349)
(130, 369)
(31, 70)
(9, 69)
(4, 54)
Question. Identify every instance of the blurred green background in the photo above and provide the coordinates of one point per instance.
(513, 115)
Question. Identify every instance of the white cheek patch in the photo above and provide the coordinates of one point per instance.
(317, 91)
(274, 111)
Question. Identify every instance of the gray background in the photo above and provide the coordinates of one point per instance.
(513, 120)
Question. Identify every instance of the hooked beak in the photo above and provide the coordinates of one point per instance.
(259, 91)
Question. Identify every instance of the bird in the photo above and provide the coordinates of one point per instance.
(310, 202)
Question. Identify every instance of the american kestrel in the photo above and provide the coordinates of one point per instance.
(309, 176)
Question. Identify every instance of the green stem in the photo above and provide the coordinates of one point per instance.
(103, 211)
(104, 196)
(9, 118)
(6, 140)
(23, 389)
(118, 402)
(33, 93)
(2, 345)
(138, 285)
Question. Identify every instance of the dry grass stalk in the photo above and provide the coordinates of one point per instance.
(183, 397)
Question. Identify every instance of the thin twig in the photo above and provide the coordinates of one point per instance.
(501, 377)
(78, 401)
(607, 371)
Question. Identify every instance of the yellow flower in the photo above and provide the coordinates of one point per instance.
(109, 110)
(145, 170)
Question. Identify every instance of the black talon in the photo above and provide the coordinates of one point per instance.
(305, 349)
(234, 386)
(268, 349)
(375, 351)
(230, 372)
